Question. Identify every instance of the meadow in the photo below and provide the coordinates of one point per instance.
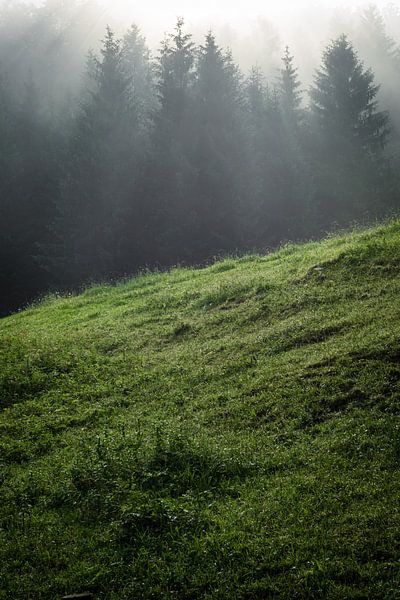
(229, 432)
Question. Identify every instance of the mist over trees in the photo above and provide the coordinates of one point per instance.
(140, 159)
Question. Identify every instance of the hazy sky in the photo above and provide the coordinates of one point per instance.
(256, 31)
(227, 8)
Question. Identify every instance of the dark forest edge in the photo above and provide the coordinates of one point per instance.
(179, 158)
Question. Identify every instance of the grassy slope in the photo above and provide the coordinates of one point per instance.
(230, 432)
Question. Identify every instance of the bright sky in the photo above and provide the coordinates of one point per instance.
(227, 8)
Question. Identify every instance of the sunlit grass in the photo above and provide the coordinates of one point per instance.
(227, 432)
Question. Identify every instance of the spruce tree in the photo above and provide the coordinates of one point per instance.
(220, 152)
(297, 180)
(175, 71)
(262, 120)
(256, 93)
(382, 53)
(166, 181)
(350, 134)
(344, 99)
(289, 90)
(376, 44)
(141, 88)
(278, 184)
(99, 171)
(142, 108)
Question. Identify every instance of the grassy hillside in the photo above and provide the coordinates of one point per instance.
(231, 432)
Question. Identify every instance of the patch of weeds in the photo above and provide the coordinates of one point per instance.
(100, 476)
(145, 519)
(32, 372)
(105, 473)
(179, 465)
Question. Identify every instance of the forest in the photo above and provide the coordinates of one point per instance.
(119, 158)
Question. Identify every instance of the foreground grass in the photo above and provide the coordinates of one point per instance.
(230, 432)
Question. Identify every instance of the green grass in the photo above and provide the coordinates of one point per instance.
(228, 433)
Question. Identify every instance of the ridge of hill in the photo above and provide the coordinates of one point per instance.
(226, 432)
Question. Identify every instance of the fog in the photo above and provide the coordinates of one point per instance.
(224, 9)
(256, 31)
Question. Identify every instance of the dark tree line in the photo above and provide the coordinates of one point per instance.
(181, 158)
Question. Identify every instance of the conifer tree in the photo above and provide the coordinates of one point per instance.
(277, 187)
(166, 180)
(175, 70)
(382, 53)
(296, 182)
(344, 98)
(220, 151)
(256, 93)
(262, 119)
(93, 203)
(28, 187)
(350, 135)
(377, 46)
(289, 90)
(141, 88)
